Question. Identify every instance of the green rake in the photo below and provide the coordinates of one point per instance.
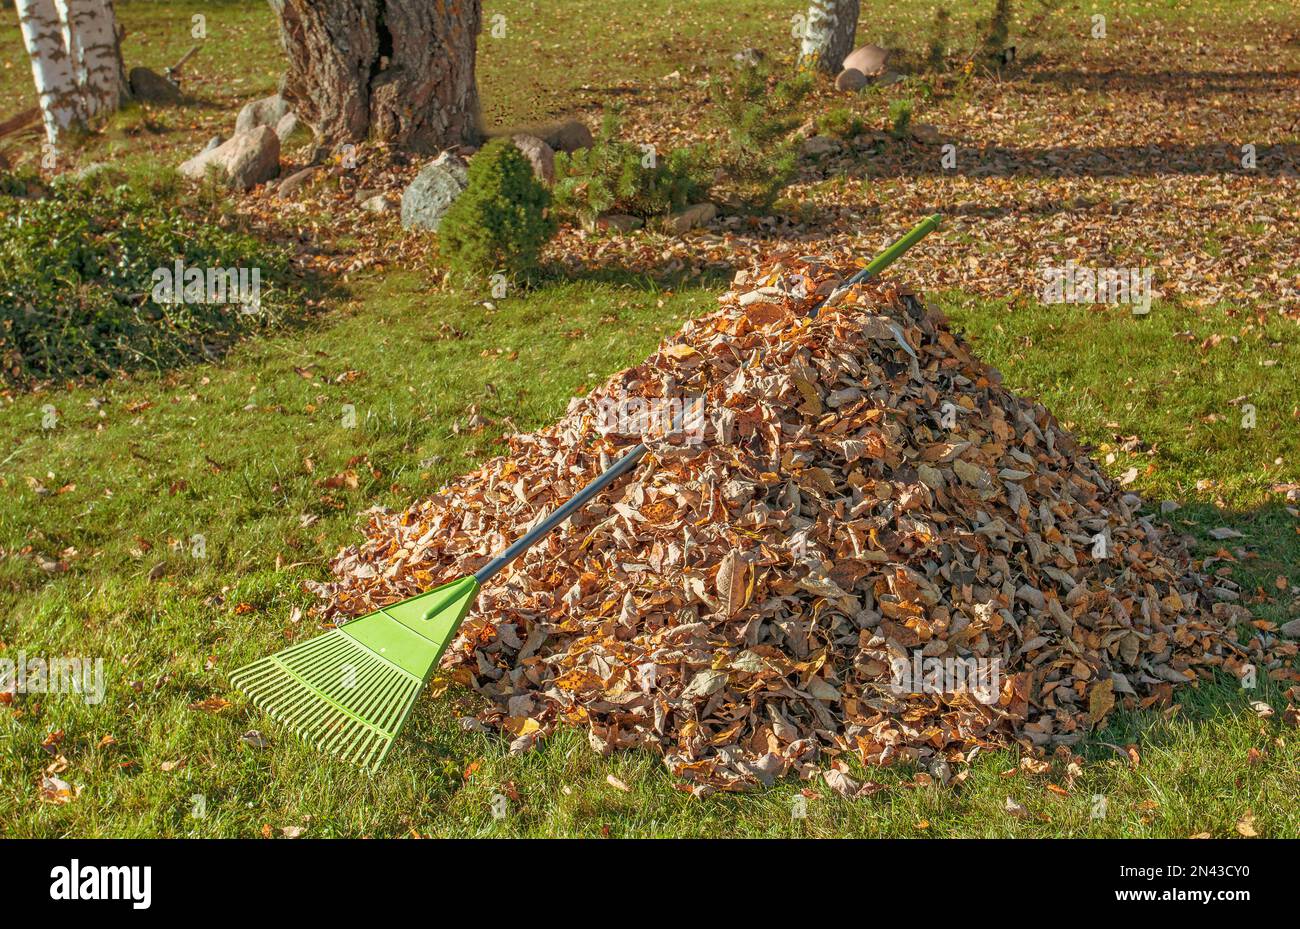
(351, 690)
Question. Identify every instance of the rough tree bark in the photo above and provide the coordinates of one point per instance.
(62, 106)
(832, 26)
(397, 70)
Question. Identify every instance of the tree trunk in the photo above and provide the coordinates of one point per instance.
(397, 70)
(56, 83)
(832, 26)
(90, 35)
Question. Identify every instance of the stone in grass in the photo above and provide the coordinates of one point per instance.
(296, 181)
(819, 145)
(150, 87)
(567, 136)
(426, 200)
(695, 215)
(851, 79)
(540, 155)
(286, 126)
(926, 133)
(618, 222)
(869, 59)
(265, 112)
(248, 159)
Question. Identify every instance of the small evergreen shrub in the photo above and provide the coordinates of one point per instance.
(900, 117)
(501, 221)
(757, 113)
(614, 175)
(841, 122)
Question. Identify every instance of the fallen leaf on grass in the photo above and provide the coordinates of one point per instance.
(1246, 825)
(56, 791)
(617, 784)
(254, 739)
(211, 704)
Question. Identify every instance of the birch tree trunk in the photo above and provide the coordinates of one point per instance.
(832, 26)
(56, 82)
(90, 35)
(397, 70)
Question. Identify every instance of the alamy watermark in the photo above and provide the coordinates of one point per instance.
(1075, 283)
(979, 677)
(655, 417)
(181, 284)
(38, 675)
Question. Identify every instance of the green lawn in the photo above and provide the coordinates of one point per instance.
(105, 513)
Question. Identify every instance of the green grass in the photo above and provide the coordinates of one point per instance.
(183, 454)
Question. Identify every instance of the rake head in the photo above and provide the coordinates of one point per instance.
(351, 690)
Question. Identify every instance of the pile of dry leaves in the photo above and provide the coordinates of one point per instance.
(866, 496)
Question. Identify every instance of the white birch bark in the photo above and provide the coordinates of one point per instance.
(52, 69)
(828, 38)
(90, 35)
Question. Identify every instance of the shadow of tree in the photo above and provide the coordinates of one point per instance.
(1067, 161)
(1170, 84)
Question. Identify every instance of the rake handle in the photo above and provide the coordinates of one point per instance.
(630, 460)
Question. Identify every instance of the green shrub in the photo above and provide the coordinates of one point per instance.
(840, 121)
(900, 117)
(501, 221)
(78, 276)
(618, 176)
(757, 113)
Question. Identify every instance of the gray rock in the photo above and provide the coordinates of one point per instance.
(433, 191)
(248, 159)
(294, 182)
(540, 155)
(286, 126)
(869, 59)
(265, 112)
(851, 79)
(926, 133)
(618, 222)
(696, 215)
(151, 87)
(819, 145)
(568, 136)
(376, 204)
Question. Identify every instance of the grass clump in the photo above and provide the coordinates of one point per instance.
(79, 274)
(615, 175)
(502, 220)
